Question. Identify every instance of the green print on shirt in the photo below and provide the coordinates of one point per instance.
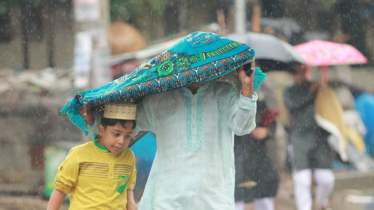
(122, 183)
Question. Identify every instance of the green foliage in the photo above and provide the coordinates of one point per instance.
(124, 9)
(6, 4)
(10, 3)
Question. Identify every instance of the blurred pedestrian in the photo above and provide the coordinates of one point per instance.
(356, 130)
(252, 162)
(365, 107)
(309, 148)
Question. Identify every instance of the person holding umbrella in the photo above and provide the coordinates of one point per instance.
(252, 161)
(310, 151)
(194, 164)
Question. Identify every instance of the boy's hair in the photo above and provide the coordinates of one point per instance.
(111, 122)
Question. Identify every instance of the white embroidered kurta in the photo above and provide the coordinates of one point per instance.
(194, 164)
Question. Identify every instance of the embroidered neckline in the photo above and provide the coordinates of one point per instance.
(201, 90)
(99, 146)
(195, 110)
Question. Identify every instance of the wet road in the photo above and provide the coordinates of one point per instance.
(353, 191)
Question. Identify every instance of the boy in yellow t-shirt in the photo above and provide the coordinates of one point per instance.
(101, 174)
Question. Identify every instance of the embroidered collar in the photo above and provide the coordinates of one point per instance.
(99, 146)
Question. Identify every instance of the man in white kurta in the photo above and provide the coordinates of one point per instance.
(194, 164)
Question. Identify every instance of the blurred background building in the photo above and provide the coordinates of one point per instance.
(37, 34)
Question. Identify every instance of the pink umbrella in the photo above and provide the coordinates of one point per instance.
(324, 53)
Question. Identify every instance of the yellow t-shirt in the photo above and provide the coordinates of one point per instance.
(96, 178)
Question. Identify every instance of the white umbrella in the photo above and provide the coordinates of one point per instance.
(271, 52)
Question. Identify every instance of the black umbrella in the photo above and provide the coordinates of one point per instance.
(271, 52)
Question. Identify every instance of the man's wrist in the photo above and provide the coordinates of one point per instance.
(247, 91)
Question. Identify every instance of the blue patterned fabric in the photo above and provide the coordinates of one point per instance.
(198, 58)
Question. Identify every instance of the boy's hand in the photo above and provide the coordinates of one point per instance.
(247, 81)
(56, 200)
(132, 206)
(86, 114)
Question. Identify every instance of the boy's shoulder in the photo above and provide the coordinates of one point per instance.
(81, 147)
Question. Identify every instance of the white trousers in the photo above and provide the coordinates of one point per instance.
(258, 204)
(303, 181)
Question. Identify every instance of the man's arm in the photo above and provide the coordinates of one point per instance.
(86, 114)
(56, 200)
(247, 82)
(91, 120)
(240, 110)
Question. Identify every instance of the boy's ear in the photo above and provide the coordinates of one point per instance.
(101, 129)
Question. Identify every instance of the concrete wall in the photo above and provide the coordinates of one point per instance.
(11, 53)
(25, 131)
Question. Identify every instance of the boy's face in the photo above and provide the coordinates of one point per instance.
(115, 138)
